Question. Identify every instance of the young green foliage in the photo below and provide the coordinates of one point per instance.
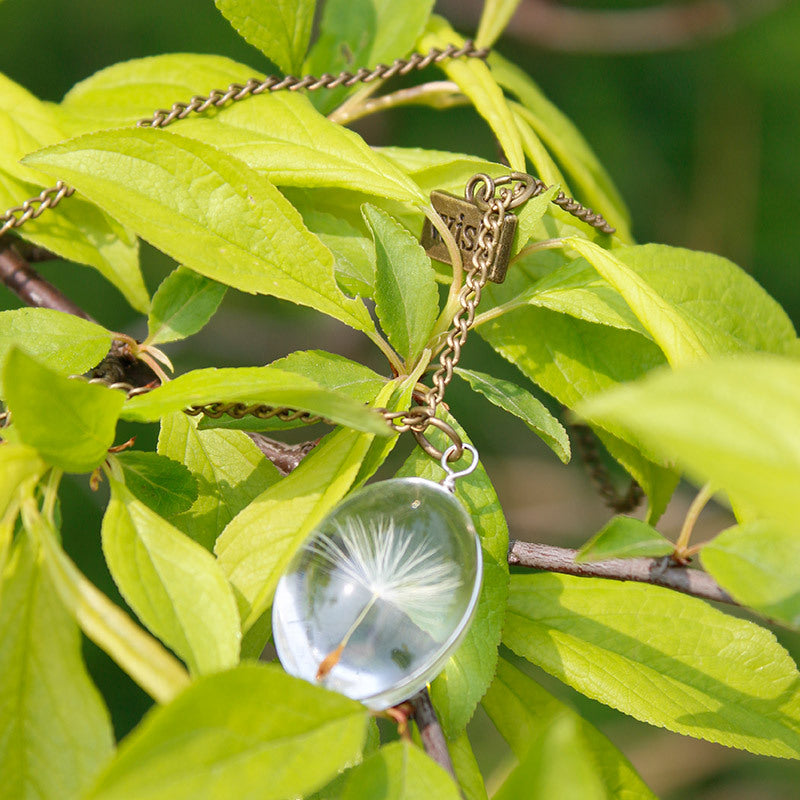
(252, 385)
(64, 343)
(406, 299)
(281, 30)
(71, 424)
(182, 305)
(759, 564)
(55, 731)
(625, 537)
(734, 421)
(224, 744)
(661, 657)
(172, 583)
(522, 404)
(164, 485)
(526, 714)
(249, 241)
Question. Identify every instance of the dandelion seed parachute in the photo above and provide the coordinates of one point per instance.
(381, 593)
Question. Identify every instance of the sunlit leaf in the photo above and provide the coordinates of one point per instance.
(660, 656)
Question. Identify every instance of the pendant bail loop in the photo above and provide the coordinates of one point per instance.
(449, 481)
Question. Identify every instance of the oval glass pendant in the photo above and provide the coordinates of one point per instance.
(381, 593)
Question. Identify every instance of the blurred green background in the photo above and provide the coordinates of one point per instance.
(703, 142)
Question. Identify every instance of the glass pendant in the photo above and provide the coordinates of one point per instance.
(381, 593)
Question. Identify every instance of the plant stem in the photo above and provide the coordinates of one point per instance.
(431, 732)
(51, 494)
(385, 348)
(642, 570)
(698, 504)
(436, 94)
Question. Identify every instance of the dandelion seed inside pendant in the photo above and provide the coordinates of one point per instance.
(382, 592)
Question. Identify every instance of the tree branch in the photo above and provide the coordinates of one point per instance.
(667, 26)
(656, 571)
(431, 732)
(31, 287)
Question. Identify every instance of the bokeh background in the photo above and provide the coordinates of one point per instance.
(694, 108)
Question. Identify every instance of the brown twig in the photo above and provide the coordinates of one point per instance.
(667, 26)
(431, 732)
(657, 571)
(32, 288)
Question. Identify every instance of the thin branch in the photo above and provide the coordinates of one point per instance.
(435, 94)
(32, 288)
(668, 26)
(656, 571)
(431, 732)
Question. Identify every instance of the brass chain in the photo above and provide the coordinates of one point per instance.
(34, 207)
(481, 190)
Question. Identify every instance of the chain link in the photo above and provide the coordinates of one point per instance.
(239, 91)
(481, 190)
(34, 207)
(49, 198)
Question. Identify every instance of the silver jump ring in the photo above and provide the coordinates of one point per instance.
(452, 475)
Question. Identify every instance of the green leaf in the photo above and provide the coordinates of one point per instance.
(182, 305)
(172, 583)
(65, 343)
(158, 672)
(522, 404)
(352, 250)
(282, 136)
(576, 289)
(329, 370)
(252, 385)
(559, 134)
(55, 732)
(670, 329)
(476, 82)
(660, 656)
(759, 564)
(70, 423)
(470, 670)
(76, 230)
(466, 768)
(440, 169)
(253, 731)
(571, 359)
(525, 713)
(494, 18)
(162, 484)
(207, 210)
(694, 282)
(79, 231)
(399, 771)
(406, 299)
(280, 29)
(543, 164)
(558, 761)
(259, 542)
(357, 33)
(18, 464)
(123, 93)
(734, 422)
(625, 537)
(229, 469)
